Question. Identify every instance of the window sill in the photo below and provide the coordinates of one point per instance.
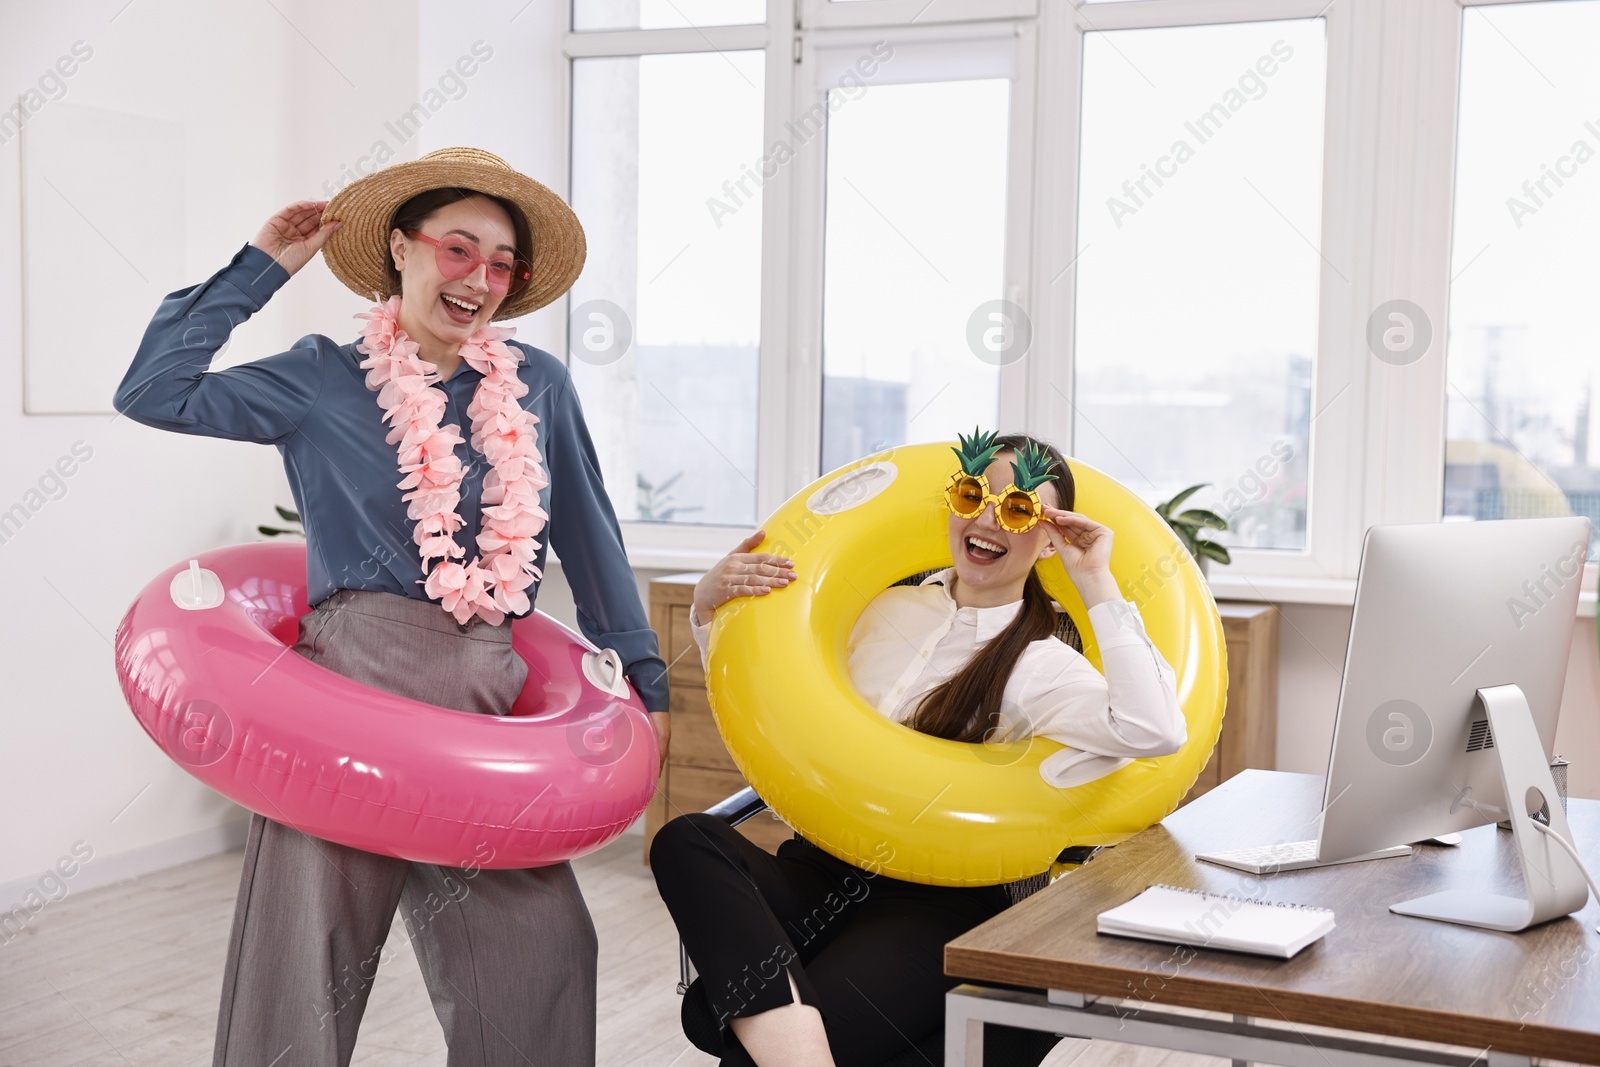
(1331, 591)
(1278, 590)
(672, 558)
(1224, 586)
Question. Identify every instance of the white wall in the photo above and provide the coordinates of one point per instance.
(267, 120)
(1312, 640)
(277, 107)
(516, 105)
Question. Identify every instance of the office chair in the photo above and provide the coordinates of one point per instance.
(1003, 1046)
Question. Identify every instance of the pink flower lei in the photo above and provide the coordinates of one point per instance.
(493, 584)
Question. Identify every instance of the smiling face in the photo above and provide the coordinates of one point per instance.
(439, 312)
(992, 563)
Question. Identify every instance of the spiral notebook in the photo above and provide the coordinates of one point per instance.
(1212, 920)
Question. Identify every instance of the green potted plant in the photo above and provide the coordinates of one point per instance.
(1190, 526)
(287, 516)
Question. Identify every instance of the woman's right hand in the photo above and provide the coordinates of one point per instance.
(295, 234)
(740, 573)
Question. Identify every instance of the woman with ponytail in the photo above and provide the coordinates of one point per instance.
(809, 961)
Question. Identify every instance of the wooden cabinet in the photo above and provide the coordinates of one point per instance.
(699, 771)
(1250, 724)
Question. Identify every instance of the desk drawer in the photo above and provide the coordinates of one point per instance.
(683, 655)
(695, 741)
(697, 788)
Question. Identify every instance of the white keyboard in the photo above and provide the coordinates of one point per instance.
(1288, 856)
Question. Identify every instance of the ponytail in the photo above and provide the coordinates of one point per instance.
(967, 707)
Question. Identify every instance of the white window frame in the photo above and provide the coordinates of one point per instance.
(686, 545)
(941, 53)
(789, 419)
(828, 13)
(1377, 437)
(1322, 570)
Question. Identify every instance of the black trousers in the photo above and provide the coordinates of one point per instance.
(865, 949)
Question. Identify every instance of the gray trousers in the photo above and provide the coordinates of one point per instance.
(508, 955)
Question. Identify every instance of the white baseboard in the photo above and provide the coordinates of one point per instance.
(105, 870)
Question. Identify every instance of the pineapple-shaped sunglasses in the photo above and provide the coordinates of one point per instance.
(1018, 509)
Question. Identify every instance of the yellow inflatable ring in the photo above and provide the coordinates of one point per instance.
(887, 798)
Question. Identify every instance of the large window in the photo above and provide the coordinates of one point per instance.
(1524, 346)
(665, 322)
(1199, 208)
(1328, 258)
(867, 208)
(915, 242)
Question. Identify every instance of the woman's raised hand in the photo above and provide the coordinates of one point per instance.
(295, 234)
(1085, 545)
(740, 573)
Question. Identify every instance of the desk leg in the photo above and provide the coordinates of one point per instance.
(1507, 1059)
(1241, 1019)
(963, 1032)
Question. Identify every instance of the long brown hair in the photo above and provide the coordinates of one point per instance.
(967, 706)
(420, 208)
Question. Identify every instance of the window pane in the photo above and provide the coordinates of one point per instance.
(664, 333)
(1524, 343)
(915, 243)
(1199, 212)
(664, 14)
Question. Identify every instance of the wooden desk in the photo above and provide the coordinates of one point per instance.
(1511, 995)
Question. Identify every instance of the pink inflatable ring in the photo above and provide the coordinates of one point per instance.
(204, 659)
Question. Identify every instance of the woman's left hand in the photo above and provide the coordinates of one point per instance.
(1084, 545)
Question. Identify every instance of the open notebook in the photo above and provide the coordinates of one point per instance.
(1211, 920)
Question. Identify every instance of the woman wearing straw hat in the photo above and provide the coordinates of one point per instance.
(420, 550)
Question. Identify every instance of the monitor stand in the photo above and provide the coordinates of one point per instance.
(1554, 884)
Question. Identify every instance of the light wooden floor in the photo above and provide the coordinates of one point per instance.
(130, 975)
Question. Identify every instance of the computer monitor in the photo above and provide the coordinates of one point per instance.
(1447, 711)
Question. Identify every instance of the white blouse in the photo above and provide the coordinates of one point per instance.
(910, 639)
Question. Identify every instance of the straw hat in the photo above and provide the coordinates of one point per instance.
(358, 253)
